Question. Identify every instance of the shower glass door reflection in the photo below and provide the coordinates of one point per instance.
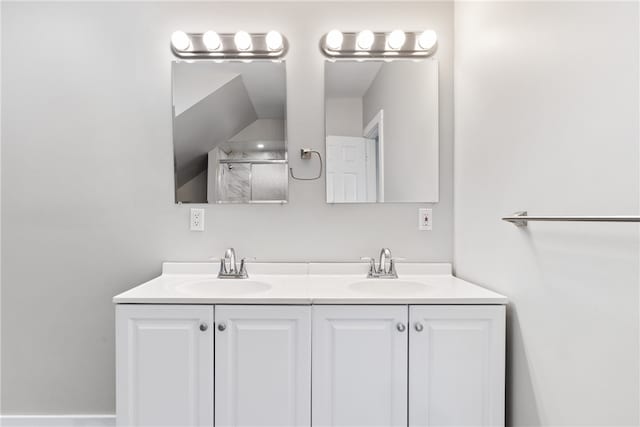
(247, 182)
(234, 182)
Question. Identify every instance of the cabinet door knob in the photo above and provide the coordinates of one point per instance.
(203, 326)
(222, 327)
(400, 326)
(419, 327)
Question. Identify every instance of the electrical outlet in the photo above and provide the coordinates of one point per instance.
(197, 219)
(425, 219)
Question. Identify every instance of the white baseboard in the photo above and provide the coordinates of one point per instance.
(57, 420)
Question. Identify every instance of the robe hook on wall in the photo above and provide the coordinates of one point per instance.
(305, 154)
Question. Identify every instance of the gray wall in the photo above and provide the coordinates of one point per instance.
(87, 176)
(408, 94)
(547, 120)
(344, 116)
(195, 189)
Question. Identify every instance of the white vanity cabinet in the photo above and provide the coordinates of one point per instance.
(302, 365)
(170, 356)
(360, 365)
(457, 365)
(263, 365)
(164, 358)
(450, 359)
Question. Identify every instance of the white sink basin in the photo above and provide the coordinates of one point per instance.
(223, 287)
(388, 286)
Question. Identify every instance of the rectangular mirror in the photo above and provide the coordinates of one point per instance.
(230, 132)
(381, 123)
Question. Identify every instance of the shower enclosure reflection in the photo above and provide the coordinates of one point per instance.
(229, 132)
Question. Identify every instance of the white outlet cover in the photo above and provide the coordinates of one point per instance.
(197, 219)
(425, 219)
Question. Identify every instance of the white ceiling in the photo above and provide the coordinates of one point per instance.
(349, 79)
(193, 82)
(265, 83)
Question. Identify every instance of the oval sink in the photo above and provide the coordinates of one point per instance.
(223, 287)
(388, 286)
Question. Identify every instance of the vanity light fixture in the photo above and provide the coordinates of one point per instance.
(274, 40)
(365, 44)
(427, 39)
(333, 39)
(211, 40)
(222, 46)
(242, 39)
(365, 39)
(396, 39)
(180, 40)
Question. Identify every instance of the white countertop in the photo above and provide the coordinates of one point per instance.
(308, 283)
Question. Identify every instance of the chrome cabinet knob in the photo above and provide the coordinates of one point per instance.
(222, 327)
(419, 326)
(203, 326)
(400, 326)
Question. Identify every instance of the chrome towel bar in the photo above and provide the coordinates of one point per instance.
(521, 219)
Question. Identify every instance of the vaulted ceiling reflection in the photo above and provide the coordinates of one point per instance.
(225, 114)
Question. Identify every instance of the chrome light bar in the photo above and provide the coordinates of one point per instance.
(366, 44)
(240, 45)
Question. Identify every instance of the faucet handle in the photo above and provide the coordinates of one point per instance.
(392, 267)
(243, 267)
(245, 260)
(223, 267)
(372, 264)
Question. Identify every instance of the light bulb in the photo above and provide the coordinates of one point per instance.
(242, 39)
(427, 39)
(274, 40)
(334, 39)
(211, 40)
(260, 145)
(180, 40)
(396, 39)
(365, 39)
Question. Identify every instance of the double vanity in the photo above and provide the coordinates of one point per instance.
(300, 344)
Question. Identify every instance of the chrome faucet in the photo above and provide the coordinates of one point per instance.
(232, 272)
(386, 268)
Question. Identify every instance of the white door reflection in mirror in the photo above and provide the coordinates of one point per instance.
(348, 161)
(381, 131)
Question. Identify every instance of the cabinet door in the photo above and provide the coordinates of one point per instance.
(263, 366)
(456, 366)
(164, 365)
(359, 366)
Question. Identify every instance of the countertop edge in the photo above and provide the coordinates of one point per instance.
(317, 301)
